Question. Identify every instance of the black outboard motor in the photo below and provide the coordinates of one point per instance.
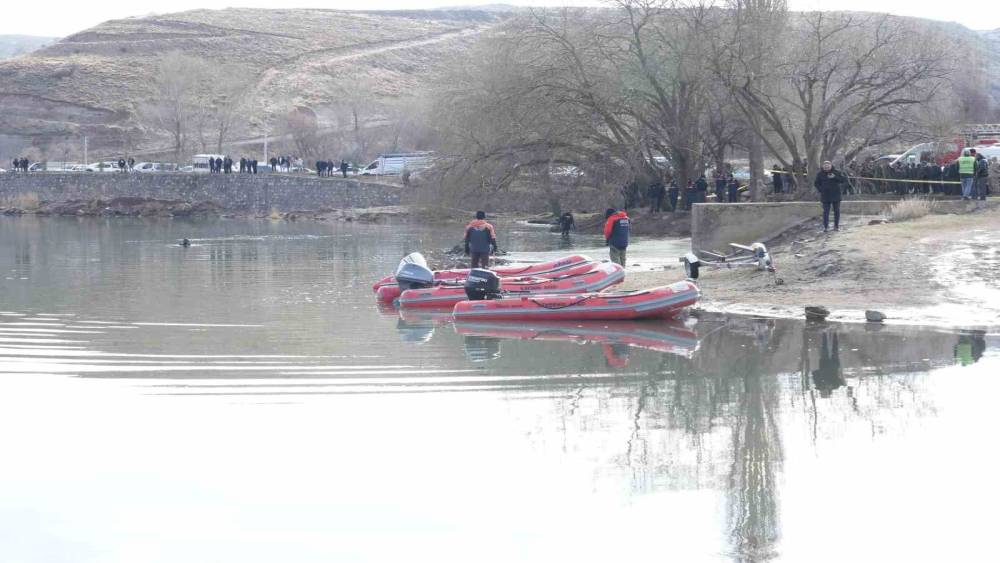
(482, 284)
(413, 273)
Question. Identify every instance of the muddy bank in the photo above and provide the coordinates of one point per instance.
(936, 270)
(152, 207)
(120, 206)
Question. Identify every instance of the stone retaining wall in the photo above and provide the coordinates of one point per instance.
(715, 225)
(236, 192)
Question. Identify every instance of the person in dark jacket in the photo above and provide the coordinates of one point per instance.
(776, 178)
(656, 194)
(720, 187)
(343, 168)
(673, 194)
(733, 189)
(566, 223)
(480, 241)
(701, 189)
(218, 165)
(616, 232)
(830, 183)
(982, 177)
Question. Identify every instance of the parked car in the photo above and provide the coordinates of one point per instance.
(146, 167)
(106, 166)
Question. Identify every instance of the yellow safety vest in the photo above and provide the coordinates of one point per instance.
(966, 165)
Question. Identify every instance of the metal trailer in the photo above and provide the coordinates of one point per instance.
(753, 256)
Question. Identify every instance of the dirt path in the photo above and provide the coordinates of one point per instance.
(937, 270)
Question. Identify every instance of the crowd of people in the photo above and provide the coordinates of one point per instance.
(329, 168)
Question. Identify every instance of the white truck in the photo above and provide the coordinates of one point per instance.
(394, 164)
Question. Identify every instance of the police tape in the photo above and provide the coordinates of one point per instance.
(904, 181)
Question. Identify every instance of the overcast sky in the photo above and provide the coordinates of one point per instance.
(60, 17)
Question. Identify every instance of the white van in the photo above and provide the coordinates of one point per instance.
(200, 162)
(394, 164)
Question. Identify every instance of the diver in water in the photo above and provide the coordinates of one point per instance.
(185, 243)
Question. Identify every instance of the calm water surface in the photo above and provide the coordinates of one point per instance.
(245, 400)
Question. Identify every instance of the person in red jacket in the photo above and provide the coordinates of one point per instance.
(616, 230)
(480, 241)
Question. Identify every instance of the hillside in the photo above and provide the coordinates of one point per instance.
(15, 45)
(95, 82)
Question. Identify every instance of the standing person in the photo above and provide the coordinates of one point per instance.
(720, 187)
(253, 165)
(616, 231)
(566, 223)
(673, 194)
(343, 168)
(701, 188)
(689, 195)
(480, 241)
(218, 165)
(16, 164)
(121, 165)
(243, 164)
(734, 190)
(830, 182)
(967, 172)
(982, 177)
(777, 180)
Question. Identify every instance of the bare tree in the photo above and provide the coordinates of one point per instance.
(178, 88)
(844, 82)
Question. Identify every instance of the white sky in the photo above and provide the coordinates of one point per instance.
(61, 17)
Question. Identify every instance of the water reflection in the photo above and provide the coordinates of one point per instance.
(274, 327)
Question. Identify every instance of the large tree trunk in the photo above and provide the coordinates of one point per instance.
(758, 188)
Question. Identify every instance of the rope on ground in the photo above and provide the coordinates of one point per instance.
(874, 179)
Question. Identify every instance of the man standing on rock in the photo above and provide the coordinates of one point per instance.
(616, 231)
(829, 182)
(480, 241)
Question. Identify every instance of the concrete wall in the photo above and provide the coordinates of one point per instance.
(715, 225)
(237, 192)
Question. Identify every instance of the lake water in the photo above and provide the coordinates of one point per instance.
(245, 400)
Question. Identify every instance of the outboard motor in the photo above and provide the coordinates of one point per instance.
(482, 284)
(413, 273)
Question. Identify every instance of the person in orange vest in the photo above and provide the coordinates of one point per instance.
(616, 233)
(480, 241)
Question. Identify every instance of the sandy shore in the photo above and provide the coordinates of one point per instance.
(941, 270)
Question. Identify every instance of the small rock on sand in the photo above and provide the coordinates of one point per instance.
(874, 316)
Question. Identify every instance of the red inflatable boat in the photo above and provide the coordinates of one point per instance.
(390, 292)
(594, 277)
(518, 270)
(661, 302)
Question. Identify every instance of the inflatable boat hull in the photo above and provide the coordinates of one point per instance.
(596, 277)
(661, 302)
